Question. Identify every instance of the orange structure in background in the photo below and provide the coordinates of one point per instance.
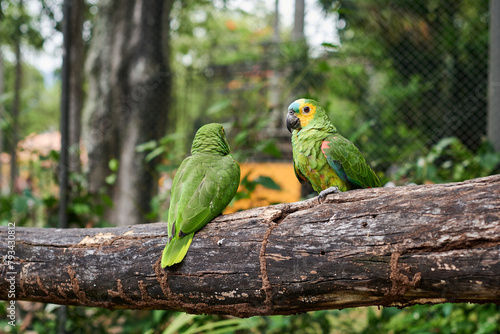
(281, 172)
(29, 151)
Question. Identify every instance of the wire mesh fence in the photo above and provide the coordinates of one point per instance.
(398, 77)
(405, 75)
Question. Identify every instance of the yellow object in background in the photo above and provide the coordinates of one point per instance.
(281, 173)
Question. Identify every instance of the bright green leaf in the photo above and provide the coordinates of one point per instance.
(113, 165)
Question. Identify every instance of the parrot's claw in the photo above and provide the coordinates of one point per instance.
(326, 192)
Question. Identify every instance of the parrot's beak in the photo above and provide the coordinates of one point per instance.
(292, 121)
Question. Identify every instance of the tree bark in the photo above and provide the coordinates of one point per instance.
(298, 22)
(385, 246)
(77, 55)
(15, 116)
(129, 89)
(2, 117)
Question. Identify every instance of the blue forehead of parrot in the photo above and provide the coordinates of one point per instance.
(295, 106)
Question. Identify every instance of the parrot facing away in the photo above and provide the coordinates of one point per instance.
(321, 156)
(203, 186)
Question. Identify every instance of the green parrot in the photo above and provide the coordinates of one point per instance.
(203, 186)
(321, 156)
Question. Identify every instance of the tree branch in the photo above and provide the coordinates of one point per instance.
(385, 246)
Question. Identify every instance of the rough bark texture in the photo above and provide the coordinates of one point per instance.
(385, 246)
(77, 54)
(14, 172)
(2, 116)
(129, 90)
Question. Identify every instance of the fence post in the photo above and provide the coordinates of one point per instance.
(493, 129)
(64, 153)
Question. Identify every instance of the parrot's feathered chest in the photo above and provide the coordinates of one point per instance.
(310, 162)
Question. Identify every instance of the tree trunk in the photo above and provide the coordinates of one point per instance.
(77, 54)
(2, 117)
(276, 122)
(384, 246)
(15, 116)
(298, 23)
(129, 89)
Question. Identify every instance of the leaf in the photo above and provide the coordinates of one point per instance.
(221, 326)
(147, 146)
(20, 204)
(218, 107)
(241, 137)
(180, 320)
(81, 208)
(107, 200)
(111, 179)
(331, 46)
(245, 182)
(271, 149)
(113, 165)
(153, 154)
(267, 182)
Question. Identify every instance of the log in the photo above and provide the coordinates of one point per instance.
(385, 246)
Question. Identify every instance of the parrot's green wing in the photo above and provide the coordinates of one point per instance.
(299, 174)
(348, 163)
(203, 186)
(175, 194)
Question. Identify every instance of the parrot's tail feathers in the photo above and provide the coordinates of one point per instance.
(176, 250)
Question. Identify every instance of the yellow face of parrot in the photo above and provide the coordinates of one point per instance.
(300, 113)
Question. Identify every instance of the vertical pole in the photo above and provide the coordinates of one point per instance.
(298, 23)
(1, 117)
(493, 127)
(15, 114)
(63, 159)
(64, 154)
(274, 81)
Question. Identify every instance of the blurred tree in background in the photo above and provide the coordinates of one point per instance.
(406, 81)
(129, 92)
(17, 28)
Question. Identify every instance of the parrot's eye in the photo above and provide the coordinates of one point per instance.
(306, 110)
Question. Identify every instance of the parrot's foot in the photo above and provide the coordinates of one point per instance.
(326, 192)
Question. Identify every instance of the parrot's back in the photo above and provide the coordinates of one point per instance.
(203, 186)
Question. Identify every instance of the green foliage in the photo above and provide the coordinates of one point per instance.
(20, 208)
(223, 47)
(248, 186)
(16, 25)
(113, 167)
(451, 161)
(442, 318)
(39, 207)
(164, 148)
(39, 105)
(190, 324)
